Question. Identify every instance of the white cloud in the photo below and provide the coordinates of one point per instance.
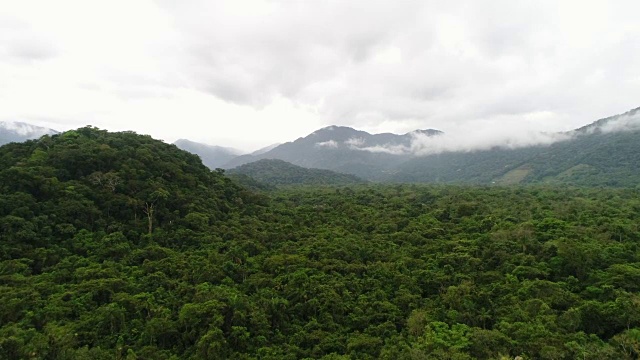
(332, 144)
(24, 129)
(509, 132)
(387, 149)
(629, 122)
(504, 131)
(355, 142)
(251, 73)
(485, 140)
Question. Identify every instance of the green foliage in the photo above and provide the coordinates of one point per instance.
(358, 272)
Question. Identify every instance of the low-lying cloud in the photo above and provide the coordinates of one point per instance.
(387, 149)
(23, 129)
(626, 122)
(327, 144)
(424, 145)
(428, 145)
(355, 142)
(510, 132)
(496, 137)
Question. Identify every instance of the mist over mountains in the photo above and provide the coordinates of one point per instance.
(342, 149)
(19, 131)
(605, 153)
(629, 121)
(212, 156)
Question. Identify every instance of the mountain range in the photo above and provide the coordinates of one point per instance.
(342, 149)
(603, 153)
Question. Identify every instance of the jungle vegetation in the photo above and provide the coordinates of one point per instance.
(118, 246)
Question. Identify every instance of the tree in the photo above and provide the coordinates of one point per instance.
(151, 204)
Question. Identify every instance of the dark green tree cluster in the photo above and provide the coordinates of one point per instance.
(120, 246)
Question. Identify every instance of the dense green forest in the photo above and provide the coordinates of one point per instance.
(118, 246)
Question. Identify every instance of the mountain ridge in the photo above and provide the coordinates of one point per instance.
(326, 148)
(602, 153)
(388, 157)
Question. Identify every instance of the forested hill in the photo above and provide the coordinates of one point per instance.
(118, 246)
(92, 180)
(279, 172)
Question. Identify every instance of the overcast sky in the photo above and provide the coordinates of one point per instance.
(251, 73)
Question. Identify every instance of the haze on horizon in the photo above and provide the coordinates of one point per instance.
(247, 74)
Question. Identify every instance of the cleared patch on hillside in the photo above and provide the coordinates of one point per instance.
(514, 176)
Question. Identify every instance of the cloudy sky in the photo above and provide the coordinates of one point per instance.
(251, 73)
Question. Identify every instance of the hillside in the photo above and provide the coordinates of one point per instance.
(92, 180)
(213, 157)
(278, 172)
(604, 153)
(116, 245)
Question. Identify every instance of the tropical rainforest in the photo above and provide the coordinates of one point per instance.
(119, 246)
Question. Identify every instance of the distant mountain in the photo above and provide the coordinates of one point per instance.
(603, 153)
(212, 156)
(278, 172)
(617, 123)
(344, 150)
(265, 149)
(19, 132)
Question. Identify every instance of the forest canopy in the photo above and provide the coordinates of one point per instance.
(116, 245)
